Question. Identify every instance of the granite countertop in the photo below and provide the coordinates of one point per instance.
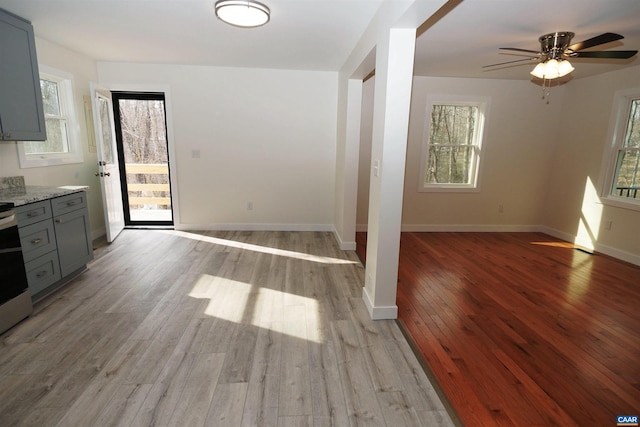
(14, 191)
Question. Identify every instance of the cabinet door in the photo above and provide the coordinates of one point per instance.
(21, 111)
(74, 242)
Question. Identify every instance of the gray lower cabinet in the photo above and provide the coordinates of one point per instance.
(74, 248)
(56, 243)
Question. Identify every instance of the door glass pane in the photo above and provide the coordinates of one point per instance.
(105, 126)
(142, 123)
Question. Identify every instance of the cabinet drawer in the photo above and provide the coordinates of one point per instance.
(68, 203)
(37, 239)
(33, 212)
(42, 272)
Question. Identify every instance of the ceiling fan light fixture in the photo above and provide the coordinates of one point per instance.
(552, 69)
(245, 14)
(565, 68)
(539, 70)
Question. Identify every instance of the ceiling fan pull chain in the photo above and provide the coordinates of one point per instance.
(546, 89)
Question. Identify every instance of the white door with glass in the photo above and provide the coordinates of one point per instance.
(141, 135)
(108, 168)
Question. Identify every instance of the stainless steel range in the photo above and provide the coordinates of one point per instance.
(15, 299)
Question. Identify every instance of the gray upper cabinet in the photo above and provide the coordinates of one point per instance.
(21, 111)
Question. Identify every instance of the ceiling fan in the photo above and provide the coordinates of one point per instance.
(555, 51)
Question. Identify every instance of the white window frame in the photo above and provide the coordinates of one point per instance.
(67, 106)
(482, 103)
(617, 129)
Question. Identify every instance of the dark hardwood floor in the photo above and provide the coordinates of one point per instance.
(521, 328)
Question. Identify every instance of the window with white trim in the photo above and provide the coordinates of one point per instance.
(622, 186)
(454, 129)
(63, 143)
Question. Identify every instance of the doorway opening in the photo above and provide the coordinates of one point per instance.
(143, 153)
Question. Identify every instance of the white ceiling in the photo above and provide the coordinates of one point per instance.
(302, 34)
(320, 34)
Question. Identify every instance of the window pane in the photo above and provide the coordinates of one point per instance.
(452, 124)
(627, 179)
(57, 140)
(50, 97)
(450, 165)
(451, 144)
(632, 135)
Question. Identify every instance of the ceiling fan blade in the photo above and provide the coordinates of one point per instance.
(511, 62)
(519, 50)
(595, 41)
(606, 54)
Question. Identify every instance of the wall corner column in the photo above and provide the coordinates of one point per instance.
(392, 99)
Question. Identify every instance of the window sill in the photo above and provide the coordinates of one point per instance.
(621, 203)
(48, 161)
(449, 189)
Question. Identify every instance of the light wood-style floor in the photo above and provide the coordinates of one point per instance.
(522, 329)
(216, 329)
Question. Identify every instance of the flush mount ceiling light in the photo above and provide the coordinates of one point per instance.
(246, 14)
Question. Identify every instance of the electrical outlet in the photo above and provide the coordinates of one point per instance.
(249, 206)
(195, 154)
(608, 225)
(500, 209)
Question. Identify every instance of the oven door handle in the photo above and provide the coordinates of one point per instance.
(9, 221)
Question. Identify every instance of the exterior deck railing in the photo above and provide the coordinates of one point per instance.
(142, 193)
(630, 192)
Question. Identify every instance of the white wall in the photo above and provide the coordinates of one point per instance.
(543, 163)
(517, 153)
(264, 136)
(83, 70)
(573, 208)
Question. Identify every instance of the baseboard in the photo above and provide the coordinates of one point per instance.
(379, 312)
(459, 228)
(96, 234)
(597, 247)
(344, 246)
(464, 228)
(253, 227)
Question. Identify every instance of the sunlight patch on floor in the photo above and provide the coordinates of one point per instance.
(241, 302)
(262, 249)
(566, 245)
